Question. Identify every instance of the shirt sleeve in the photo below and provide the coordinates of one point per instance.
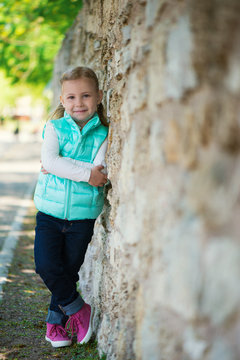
(100, 157)
(61, 166)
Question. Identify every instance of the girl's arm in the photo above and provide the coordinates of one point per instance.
(100, 157)
(66, 167)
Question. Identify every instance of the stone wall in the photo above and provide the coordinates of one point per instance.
(162, 271)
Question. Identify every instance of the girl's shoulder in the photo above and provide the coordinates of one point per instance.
(56, 121)
(58, 126)
(59, 123)
(102, 129)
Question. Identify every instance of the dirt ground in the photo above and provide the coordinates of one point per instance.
(23, 310)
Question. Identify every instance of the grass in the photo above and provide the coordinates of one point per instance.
(23, 310)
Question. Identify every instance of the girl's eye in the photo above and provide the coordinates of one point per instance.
(70, 97)
(86, 95)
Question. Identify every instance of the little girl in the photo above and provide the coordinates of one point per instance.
(69, 197)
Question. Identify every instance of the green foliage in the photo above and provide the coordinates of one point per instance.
(12, 92)
(31, 32)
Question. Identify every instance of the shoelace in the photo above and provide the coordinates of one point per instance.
(74, 321)
(57, 329)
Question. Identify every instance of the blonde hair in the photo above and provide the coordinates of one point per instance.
(75, 74)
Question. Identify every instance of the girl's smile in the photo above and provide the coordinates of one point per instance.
(80, 99)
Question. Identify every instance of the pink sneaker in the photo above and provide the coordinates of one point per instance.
(57, 335)
(80, 323)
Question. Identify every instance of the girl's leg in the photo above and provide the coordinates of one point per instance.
(80, 314)
(78, 236)
(49, 248)
(49, 242)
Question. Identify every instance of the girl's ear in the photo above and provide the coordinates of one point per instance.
(61, 100)
(100, 96)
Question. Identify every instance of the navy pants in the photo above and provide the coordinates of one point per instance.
(60, 247)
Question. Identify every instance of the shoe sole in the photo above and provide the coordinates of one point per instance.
(59, 343)
(89, 332)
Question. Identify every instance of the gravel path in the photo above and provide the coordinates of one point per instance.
(19, 168)
(23, 309)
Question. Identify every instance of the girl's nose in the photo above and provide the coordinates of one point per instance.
(79, 101)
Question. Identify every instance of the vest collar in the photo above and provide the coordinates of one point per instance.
(91, 124)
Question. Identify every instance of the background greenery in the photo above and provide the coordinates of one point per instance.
(31, 32)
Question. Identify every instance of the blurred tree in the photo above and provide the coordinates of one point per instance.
(31, 32)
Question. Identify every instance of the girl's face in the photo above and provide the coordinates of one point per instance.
(80, 99)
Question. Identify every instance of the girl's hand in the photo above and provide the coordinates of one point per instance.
(45, 172)
(97, 178)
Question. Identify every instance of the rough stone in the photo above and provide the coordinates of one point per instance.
(220, 295)
(193, 345)
(126, 32)
(162, 270)
(180, 75)
(221, 351)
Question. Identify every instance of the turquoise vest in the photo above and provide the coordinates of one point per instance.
(64, 198)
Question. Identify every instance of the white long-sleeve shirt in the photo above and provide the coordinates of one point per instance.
(63, 166)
